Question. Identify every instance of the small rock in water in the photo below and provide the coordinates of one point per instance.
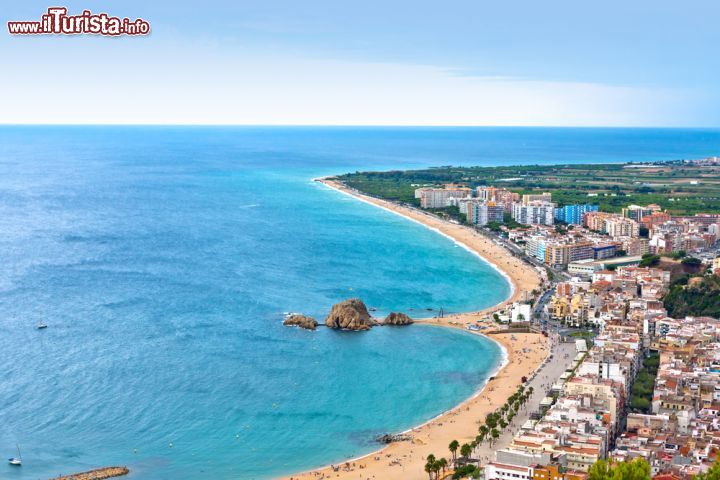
(397, 319)
(301, 321)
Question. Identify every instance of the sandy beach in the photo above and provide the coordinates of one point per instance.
(525, 352)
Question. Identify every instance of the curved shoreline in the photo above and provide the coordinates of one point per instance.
(518, 275)
(503, 362)
(386, 205)
(522, 354)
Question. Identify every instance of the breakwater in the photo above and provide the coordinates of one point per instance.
(96, 474)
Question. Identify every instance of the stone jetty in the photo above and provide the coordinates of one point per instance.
(97, 474)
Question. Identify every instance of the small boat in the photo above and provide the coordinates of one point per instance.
(41, 326)
(17, 461)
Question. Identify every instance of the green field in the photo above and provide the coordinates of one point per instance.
(681, 189)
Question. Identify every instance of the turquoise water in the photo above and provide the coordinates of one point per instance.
(163, 258)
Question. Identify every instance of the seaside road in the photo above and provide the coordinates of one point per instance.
(546, 376)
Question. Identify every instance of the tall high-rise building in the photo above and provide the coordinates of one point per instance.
(636, 212)
(573, 214)
(534, 213)
(498, 195)
(439, 197)
(482, 213)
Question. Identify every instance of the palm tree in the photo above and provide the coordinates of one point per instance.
(465, 450)
(430, 465)
(494, 434)
(454, 445)
(503, 424)
(436, 468)
(443, 465)
(491, 420)
(483, 430)
(429, 469)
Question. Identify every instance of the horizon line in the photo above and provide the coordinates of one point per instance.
(358, 125)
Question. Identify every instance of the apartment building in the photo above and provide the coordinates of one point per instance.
(482, 213)
(573, 214)
(534, 213)
(536, 197)
(440, 197)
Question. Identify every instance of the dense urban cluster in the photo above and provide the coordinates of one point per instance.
(642, 384)
(576, 236)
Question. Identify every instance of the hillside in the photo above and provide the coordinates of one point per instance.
(699, 298)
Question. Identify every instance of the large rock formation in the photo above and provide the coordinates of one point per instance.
(397, 319)
(350, 315)
(301, 321)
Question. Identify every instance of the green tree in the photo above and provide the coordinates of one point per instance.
(638, 469)
(465, 450)
(649, 260)
(491, 420)
(442, 463)
(494, 434)
(713, 473)
(436, 468)
(454, 445)
(691, 261)
(429, 469)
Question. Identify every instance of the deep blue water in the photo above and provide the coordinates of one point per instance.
(162, 259)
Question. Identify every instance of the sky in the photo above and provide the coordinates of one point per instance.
(370, 62)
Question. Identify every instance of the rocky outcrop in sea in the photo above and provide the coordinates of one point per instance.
(397, 318)
(350, 314)
(301, 321)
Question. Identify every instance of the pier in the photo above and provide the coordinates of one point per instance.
(96, 474)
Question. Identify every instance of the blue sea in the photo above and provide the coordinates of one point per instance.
(163, 258)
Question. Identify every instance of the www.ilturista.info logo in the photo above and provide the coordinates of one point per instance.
(57, 22)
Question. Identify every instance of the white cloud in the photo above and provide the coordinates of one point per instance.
(192, 87)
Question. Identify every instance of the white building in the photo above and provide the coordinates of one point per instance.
(440, 197)
(484, 213)
(501, 471)
(534, 213)
(521, 312)
(584, 267)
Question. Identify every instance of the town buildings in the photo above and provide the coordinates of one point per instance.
(573, 214)
(440, 197)
(534, 213)
(482, 213)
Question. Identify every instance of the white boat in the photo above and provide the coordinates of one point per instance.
(41, 326)
(17, 461)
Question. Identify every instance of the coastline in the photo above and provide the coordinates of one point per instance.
(520, 276)
(522, 354)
